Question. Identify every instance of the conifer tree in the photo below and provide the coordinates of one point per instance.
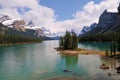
(69, 41)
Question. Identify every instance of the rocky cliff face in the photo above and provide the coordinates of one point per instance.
(108, 22)
(40, 32)
(107, 19)
(19, 25)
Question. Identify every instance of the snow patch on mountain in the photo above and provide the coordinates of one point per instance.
(10, 23)
(88, 28)
(4, 18)
(20, 24)
(30, 24)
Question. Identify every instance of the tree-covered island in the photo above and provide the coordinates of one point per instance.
(68, 45)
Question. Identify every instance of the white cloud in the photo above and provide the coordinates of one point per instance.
(11, 12)
(44, 16)
(89, 14)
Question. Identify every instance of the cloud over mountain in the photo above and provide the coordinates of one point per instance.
(44, 16)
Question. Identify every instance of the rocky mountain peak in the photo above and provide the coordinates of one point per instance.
(88, 28)
(4, 18)
(19, 24)
(107, 19)
(30, 23)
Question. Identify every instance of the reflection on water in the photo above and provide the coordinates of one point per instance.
(95, 45)
(113, 64)
(42, 62)
(15, 60)
(70, 61)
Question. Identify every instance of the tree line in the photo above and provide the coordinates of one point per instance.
(108, 37)
(113, 38)
(69, 41)
(13, 39)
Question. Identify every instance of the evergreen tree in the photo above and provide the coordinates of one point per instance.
(61, 41)
(69, 41)
(66, 44)
(13, 39)
(74, 40)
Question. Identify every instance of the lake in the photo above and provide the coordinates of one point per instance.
(41, 61)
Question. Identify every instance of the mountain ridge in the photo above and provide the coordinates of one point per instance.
(107, 29)
(18, 26)
(109, 22)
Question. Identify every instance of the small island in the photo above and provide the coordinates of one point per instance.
(68, 45)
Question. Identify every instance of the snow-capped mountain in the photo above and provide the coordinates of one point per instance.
(88, 28)
(48, 33)
(15, 23)
(4, 18)
(30, 23)
(30, 28)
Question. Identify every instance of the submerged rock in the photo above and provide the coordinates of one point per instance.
(104, 66)
(118, 70)
(67, 70)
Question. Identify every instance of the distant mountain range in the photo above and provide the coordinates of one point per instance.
(18, 26)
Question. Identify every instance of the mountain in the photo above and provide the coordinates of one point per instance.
(88, 28)
(48, 33)
(18, 26)
(108, 22)
(107, 29)
(4, 17)
(30, 23)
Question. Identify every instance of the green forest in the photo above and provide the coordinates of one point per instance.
(69, 41)
(6, 38)
(100, 37)
(14, 39)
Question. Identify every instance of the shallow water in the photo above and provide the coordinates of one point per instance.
(42, 62)
(99, 46)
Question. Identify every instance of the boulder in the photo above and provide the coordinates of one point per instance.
(104, 66)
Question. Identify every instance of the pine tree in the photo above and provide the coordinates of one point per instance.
(69, 41)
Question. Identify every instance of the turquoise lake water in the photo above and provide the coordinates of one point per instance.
(41, 61)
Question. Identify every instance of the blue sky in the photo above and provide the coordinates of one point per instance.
(64, 9)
